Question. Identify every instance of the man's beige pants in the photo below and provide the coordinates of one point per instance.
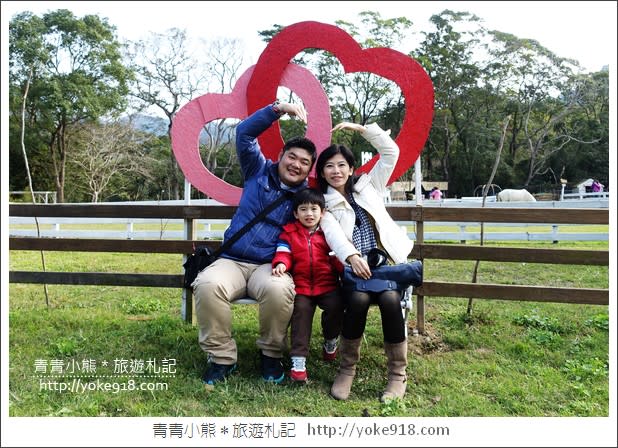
(224, 281)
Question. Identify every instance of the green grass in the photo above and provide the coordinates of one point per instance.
(505, 359)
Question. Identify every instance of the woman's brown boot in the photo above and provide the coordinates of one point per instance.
(397, 361)
(349, 356)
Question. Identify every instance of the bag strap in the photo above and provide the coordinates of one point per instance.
(228, 243)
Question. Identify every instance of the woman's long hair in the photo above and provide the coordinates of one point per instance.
(324, 156)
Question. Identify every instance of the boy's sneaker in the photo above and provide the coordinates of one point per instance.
(299, 376)
(272, 369)
(217, 372)
(329, 350)
(299, 371)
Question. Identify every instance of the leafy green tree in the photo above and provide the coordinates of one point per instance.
(587, 155)
(480, 77)
(26, 40)
(458, 138)
(537, 84)
(77, 76)
(152, 183)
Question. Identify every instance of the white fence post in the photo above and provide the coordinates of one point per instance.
(418, 182)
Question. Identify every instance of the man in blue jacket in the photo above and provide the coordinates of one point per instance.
(245, 268)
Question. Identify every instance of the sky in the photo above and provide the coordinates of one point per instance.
(585, 31)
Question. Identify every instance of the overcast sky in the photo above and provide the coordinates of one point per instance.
(585, 31)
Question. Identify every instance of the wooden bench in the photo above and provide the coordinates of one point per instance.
(406, 305)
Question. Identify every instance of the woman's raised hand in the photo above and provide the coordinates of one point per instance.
(348, 126)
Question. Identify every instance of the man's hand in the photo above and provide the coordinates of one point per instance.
(294, 110)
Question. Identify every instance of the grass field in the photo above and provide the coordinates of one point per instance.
(505, 359)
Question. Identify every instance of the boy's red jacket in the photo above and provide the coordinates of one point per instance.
(306, 256)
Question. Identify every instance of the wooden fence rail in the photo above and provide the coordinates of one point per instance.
(418, 214)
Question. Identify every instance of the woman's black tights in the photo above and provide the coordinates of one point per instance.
(357, 307)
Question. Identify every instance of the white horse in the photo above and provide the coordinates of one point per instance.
(511, 195)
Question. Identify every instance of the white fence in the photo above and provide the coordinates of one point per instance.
(213, 229)
(40, 197)
(588, 201)
(582, 195)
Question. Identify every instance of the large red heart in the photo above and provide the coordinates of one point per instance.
(415, 84)
(191, 118)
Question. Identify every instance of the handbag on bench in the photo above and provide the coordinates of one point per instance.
(384, 277)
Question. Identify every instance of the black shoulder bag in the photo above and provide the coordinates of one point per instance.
(202, 256)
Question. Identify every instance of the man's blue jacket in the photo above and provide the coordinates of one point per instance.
(261, 187)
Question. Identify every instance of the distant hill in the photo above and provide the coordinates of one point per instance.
(151, 124)
(158, 126)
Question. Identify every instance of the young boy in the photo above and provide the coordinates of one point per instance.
(303, 252)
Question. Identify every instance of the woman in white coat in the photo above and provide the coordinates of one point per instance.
(355, 222)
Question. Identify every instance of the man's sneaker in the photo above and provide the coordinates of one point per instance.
(272, 369)
(299, 371)
(217, 372)
(329, 350)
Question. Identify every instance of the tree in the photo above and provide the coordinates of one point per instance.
(171, 74)
(480, 75)
(78, 76)
(153, 183)
(106, 152)
(459, 133)
(223, 61)
(537, 84)
(588, 156)
(363, 97)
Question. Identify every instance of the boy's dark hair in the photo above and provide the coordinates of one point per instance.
(308, 196)
(304, 143)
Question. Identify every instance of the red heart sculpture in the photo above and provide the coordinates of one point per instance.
(191, 118)
(415, 84)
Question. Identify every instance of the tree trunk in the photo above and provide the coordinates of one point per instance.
(63, 162)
